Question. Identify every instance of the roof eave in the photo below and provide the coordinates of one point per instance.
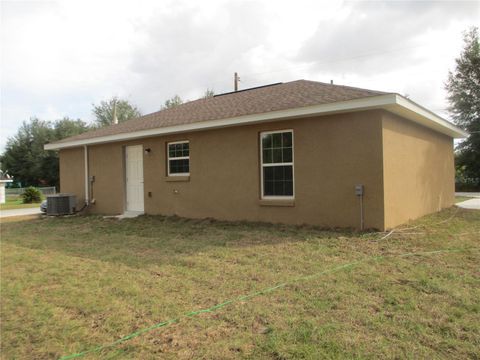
(417, 113)
(391, 102)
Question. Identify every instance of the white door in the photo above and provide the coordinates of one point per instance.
(134, 177)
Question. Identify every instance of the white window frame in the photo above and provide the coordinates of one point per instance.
(262, 165)
(177, 158)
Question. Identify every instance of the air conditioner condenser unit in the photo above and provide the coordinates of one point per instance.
(61, 204)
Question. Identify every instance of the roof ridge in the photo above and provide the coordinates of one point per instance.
(257, 100)
(248, 89)
(342, 86)
(255, 88)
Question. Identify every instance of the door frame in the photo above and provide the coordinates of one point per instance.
(125, 177)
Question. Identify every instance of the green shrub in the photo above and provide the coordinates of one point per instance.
(31, 195)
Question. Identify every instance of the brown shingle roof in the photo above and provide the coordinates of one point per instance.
(260, 100)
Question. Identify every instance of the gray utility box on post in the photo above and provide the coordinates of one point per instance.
(61, 204)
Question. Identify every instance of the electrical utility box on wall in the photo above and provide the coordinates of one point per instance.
(359, 190)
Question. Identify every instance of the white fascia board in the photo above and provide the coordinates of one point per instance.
(427, 118)
(390, 102)
(342, 106)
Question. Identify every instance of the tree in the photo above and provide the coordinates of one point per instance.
(104, 112)
(24, 157)
(69, 127)
(209, 93)
(170, 103)
(61, 129)
(463, 87)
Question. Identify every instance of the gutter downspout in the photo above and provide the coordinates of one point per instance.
(87, 190)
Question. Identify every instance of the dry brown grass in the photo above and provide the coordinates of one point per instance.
(70, 284)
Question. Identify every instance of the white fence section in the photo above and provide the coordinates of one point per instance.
(16, 192)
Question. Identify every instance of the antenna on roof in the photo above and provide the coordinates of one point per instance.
(236, 79)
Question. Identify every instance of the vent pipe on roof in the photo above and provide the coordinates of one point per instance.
(114, 117)
(331, 82)
(236, 79)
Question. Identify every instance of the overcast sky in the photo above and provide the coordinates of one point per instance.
(59, 57)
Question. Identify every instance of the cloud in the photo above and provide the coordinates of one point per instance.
(59, 57)
(376, 36)
(399, 46)
(193, 49)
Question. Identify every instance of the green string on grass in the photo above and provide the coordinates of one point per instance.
(255, 294)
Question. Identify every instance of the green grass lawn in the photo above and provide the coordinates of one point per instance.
(17, 204)
(70, 284)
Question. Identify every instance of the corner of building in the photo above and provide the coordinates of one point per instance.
(418, 170)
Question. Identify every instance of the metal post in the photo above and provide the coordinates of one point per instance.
(87, 191)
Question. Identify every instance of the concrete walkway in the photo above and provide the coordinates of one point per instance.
(473, 203)
(20, 212)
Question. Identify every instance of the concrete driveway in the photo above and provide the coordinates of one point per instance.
(473, 203)
(20, 212)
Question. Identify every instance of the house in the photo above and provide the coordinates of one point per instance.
(4, 179)
(301, 152)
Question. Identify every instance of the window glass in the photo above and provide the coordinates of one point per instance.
(179, 158)
(277, 164)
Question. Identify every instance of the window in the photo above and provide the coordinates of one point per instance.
(178, 158)
(277, 164)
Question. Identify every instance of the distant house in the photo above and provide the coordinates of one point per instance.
(301, 152)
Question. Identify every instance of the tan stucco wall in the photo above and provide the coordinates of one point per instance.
(72, 170)
(418, 169)
(331, 154)
(106, 165)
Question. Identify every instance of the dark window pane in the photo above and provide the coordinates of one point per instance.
(179, 166)
(277, 173)
(268, 188)
(171, 150)
(287, 139)
(287, 155)
(277, 155)
(277, 140)
(278, 180)
(267, 156)
(178, 150)
(288, 173)
(185, 149)
(267, 141)
(288, 188)
(278, 188)
(268, 173)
